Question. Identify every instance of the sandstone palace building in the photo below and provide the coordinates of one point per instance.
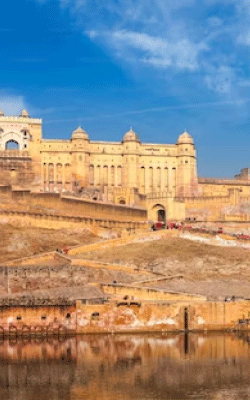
(159, 177)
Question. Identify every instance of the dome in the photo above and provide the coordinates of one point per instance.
(79, 133)
(185, 138)
(1, 113)
(24, 114)
(131, 136)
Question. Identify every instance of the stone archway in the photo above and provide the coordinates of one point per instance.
(10, 141)
(122, 201)
(158, 213)
(12, 145)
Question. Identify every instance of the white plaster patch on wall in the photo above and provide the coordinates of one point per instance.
(83, 321)
(137, 323)
(10, 351)
(200, 321)
(171, 342)
(165, 321)
(200, 341)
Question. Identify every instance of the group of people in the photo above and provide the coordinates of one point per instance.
(64, 250)
(171, 225)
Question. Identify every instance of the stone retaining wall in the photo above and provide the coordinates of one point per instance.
(125, 316)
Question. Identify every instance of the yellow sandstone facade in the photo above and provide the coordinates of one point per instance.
(159, 177)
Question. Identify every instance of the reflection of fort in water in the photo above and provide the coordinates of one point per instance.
(122, 367)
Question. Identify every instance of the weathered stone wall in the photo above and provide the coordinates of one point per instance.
(148, 293)
(129, 316)
(80, 207)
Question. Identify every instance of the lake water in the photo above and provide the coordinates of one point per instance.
(123, 367)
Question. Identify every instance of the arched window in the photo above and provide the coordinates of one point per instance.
(105, 175)
(67, 173)
(174, 176)
(91, 175)
(150, 179)
(165, 178)
(51, 173)
(59, 173)
(142, 179)
(112, 175)
(12, 145)
(158, 178)
(119, 175)
(98, 174)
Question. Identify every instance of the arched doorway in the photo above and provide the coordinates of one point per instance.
(158, 213)
(11, 145)
(122, 201)
(161, 216)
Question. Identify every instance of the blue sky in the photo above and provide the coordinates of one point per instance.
(162, 66)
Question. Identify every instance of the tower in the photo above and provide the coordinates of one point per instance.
(186, 174)
(131, 143)
(80, 155)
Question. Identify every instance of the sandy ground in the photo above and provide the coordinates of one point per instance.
(215, 271)
(17, 242)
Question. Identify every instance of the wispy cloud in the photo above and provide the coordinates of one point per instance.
(171, 35)
(214, 104)
(189, 36)
(11, 104)
(154, 50)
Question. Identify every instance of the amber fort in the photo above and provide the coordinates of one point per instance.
(160, 179)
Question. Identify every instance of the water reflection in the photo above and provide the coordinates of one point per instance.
(126, 367)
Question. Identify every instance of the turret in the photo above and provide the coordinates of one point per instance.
(80, 148)
(79, 134)
(24, 114)
(186, 174)
(131, 143)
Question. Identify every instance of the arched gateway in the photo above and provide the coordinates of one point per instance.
(11, 145)
(158, 213)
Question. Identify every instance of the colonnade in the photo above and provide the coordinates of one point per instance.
(56, 174)
(151, 178)
(157, 179)
(106, 175)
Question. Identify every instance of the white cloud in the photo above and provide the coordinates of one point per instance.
(12, 105)
(170, 35)
(244, 83)
(220, 80)
(244, 38)
(215, 22)
(156, 51)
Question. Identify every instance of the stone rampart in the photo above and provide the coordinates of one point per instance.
(149, 293)
(58, 221)
(124, 316)
(79, 207)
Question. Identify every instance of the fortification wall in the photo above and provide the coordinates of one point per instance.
(53, 221)
(118, 317)
(212, 208)
(71, 206)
